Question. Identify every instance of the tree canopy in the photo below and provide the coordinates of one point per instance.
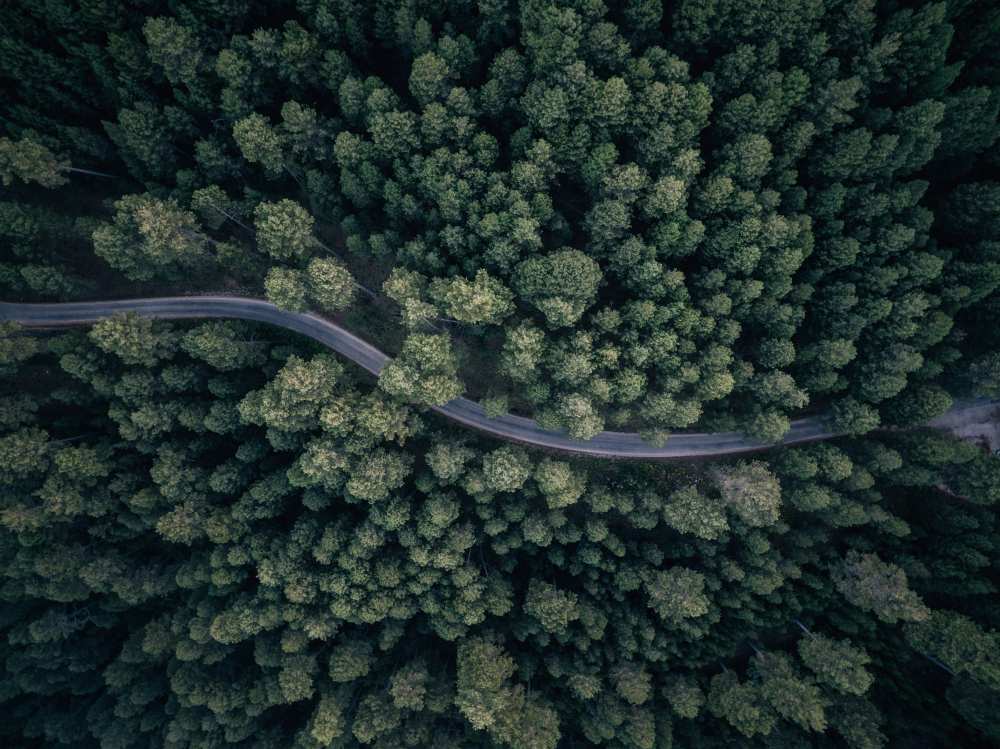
(637, 216)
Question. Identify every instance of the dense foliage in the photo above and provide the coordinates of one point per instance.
(725, 212)
(213, 535)
(632, 214)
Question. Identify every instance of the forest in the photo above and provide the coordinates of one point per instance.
(631, 215)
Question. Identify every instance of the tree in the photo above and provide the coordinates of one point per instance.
(483, 694)
(14, 347)
(561, 485)
(676, 594)
(424, 372)
(136, 340)
(740, 705)
(918, 405)
(223, 345)
(985, 375)
(873, 585)
(30, 161)
(666, 410)
(851, 416)
(350, 660)
(427, 78)
(685, 697)
(553, 608)
(689, 511)
(484, 300)
(633, 683)
(534, 726)
(327, 722)
(959, 643)
(448, 460)
(408, 686)
(791, 696)
(292, 400)
(561, 285)
(152, 238)
(373, 479)
(409, 289)
(175, 49)
(506, 469)
(23, 452)
(331, 286)
(287, 288)
(260, 143)
(751, 491)
(284, 229)
(495, 405)
(859, 722)
(576, 413)
(836, 663)
(296, 677)
(522, 351)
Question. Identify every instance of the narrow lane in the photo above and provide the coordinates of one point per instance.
(462, 410)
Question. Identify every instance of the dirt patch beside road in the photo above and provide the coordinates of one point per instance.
(980, 424)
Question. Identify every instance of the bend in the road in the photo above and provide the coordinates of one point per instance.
(462, 410)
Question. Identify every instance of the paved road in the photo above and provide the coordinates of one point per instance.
(462, 410)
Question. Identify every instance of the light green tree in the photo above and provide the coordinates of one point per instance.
(331, 286)
(837, 663)
(151, 237)
(424, 372)
(134, 339)
(879, 587)
(751, 492)
(483, 300)
(284, 229)
(30, 161)
(287, 288)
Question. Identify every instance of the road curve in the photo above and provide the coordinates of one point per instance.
(464, 411)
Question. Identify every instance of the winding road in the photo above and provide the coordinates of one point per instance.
(461, 410)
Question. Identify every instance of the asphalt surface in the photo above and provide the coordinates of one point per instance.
(462, 410)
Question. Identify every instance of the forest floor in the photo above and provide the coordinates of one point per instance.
(980, 425)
